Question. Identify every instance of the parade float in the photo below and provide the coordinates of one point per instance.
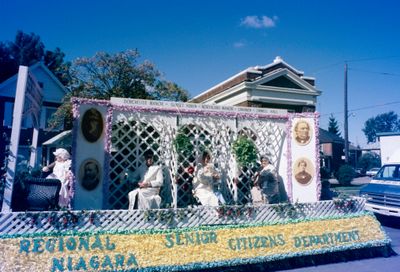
(99, 233)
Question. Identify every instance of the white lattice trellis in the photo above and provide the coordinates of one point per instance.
(132, 135)
(122, 220)
(135, 133)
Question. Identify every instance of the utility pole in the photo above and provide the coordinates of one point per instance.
(346, 116)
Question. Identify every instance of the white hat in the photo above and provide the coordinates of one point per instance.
(63, 153)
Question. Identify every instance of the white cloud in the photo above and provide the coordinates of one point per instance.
(259, 21)
(239, 44)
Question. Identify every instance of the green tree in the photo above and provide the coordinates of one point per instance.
(333, 126)
(116, 75)
(369, 160)
(106, 75)
(27, 49)
(8, 66)
(385, 122)
(54, 60)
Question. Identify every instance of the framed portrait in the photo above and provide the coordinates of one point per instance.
(89, 174)
(303, 170)
(302, 132)
(92, 125)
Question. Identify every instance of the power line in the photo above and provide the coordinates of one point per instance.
(374, 58)
(364, 108)
(351, 61)
(374, 72)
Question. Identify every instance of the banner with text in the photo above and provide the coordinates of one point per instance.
(177, 249)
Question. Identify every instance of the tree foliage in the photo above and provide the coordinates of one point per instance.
(105, 75)
(369, 160)
(333, 126)
(385, 122)
(116, 75)
(28, 49)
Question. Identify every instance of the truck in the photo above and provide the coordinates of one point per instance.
(383, 192)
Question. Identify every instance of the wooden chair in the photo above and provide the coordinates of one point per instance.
(42, 194)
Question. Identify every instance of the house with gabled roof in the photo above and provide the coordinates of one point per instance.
(53, 93)
(331, 150)
(276, 85)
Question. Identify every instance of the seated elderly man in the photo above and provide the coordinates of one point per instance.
(150, 179)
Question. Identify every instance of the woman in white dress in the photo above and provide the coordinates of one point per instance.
(61, 169)
(205, 177)
(150, 180)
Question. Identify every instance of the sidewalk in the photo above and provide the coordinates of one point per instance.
(355, 181)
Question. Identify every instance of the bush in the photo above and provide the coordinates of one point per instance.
(345, 175)
(324, 173)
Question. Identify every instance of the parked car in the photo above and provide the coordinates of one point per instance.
(372, 172)
(383, 192)
(360, 172)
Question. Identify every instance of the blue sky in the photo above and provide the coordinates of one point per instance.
(198, 44)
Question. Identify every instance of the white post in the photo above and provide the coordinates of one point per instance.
(34, 150)
(15, 134)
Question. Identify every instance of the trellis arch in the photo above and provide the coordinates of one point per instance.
(133, 133)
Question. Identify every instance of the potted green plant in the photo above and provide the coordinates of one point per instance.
(245, 151)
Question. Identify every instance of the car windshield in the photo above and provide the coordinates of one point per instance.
(389, 172)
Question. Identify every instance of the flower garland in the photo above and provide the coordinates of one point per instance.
(345, 203)
(107, 151)
(289, 158)
(289, 126)
(236, 212)
(168, 216)
(59, 221)
(317, 155)
(289, 210)
(75, 129)
(78, 101)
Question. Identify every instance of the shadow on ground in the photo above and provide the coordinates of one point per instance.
(389, 221)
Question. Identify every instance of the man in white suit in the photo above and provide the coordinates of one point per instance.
(150, 180)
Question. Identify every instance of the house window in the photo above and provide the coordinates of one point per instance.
(48, 115)
(8, 113)
(26, 121)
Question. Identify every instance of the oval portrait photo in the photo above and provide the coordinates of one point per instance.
(89, 174)
(92, 125)
(302, 132)
(303, 170)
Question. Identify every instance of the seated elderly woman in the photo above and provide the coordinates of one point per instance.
(206, 178)
(61, 169)
(149, 178)
(266, 179)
